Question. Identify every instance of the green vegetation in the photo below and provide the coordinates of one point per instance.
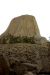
(11, 39)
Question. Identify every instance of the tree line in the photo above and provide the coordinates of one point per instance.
(11, 39)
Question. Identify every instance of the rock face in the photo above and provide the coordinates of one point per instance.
(25, 25)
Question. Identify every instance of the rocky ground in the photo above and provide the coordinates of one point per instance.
(23, 58)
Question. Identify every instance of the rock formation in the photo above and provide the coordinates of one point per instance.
(29, 55)
(25, 25)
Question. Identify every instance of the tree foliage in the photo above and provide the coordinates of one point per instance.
(24, 39)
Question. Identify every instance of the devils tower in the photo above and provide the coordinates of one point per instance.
(22, 49)
(24, 25)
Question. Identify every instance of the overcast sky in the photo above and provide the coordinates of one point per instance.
(38, 8)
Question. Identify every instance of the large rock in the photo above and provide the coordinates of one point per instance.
(25, 25)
